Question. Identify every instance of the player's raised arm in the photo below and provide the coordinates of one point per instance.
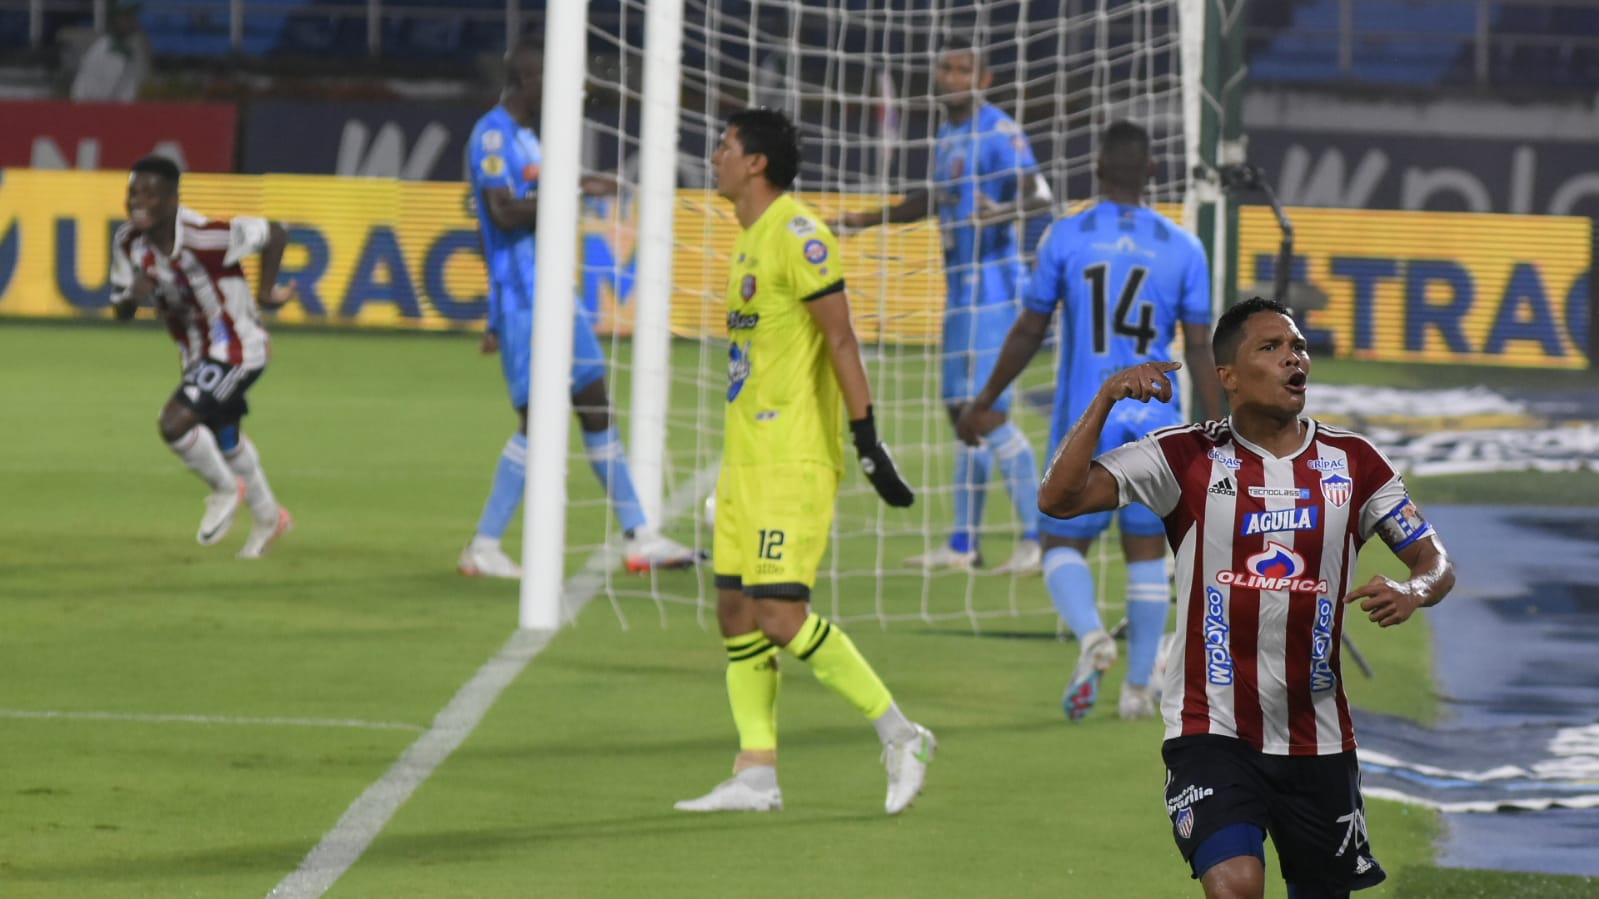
(915, 206)
(1073, 484)
(1432, 576)
(831, 314)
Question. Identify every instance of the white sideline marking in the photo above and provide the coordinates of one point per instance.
(370, 813)
(205, 719)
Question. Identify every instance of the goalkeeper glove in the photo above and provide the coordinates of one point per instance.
(878, 464)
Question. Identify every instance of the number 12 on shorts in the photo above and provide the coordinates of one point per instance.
(771, 545)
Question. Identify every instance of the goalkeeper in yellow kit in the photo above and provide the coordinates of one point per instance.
(794, 372)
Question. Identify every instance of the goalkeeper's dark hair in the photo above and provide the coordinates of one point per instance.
(1124, 155)
(1230, 327)
(960, 43)
(769, 133)
(530, 45)
(159, 166)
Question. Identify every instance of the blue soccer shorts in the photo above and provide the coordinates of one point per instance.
(516, 356)
(982, 307)
(1128, 422)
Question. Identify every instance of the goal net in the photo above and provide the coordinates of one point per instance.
(859, 79)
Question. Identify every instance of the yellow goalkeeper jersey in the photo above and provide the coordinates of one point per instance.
(783, 399)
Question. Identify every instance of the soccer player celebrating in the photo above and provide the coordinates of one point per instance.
(986, 179)
(503, 156)
(188, 267)
(794, 372)
(1266, 512)
(1127, 277)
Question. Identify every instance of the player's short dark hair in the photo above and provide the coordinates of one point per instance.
(527, 45)
(159, 166)
(1124, 154)
(960, 43)
(1229, 331)
(769, 133)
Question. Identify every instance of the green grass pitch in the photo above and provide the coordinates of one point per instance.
(179, 723)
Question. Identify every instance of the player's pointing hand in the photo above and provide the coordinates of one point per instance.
(1142, 382)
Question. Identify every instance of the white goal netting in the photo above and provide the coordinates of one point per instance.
(859, 79)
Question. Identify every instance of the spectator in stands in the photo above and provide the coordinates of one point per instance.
(116, 63)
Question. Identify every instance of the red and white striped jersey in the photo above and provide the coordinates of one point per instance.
(1265, 550)
(202, 293)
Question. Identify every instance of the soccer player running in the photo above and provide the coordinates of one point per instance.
(794, 372)
(1126, 277)
(986, 179)
(1266, 511)
(503, 157)
(189, 268)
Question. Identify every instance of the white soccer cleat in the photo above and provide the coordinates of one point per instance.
(1099, 653)
(906, 759)
(219, 511)
(1027, 559)
(645, 552)
(945, 557)
(751, 790)
(484, 558)
(1136, 702)
(263, 534)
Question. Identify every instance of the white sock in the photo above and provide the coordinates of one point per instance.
(198, 449)
(246, 463)
(893, 724)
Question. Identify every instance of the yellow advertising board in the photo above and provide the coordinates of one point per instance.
(1442, 287)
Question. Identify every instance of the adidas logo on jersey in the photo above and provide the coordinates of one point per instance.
(1223, 487)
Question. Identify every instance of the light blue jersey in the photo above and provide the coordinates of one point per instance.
(1124, 276)
(503, 154)
(988, 153)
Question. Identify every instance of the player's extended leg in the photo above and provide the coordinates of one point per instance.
(1148, 602)
(484, 555)
(1071, 589)
(839, 665)
(269, 519)
(1011, 448)
(181, 428)
(646, 548)
(753, 682)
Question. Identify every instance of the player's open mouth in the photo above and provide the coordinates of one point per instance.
(1296, 382)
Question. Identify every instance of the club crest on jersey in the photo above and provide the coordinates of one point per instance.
(815, 252)
(1274, 568)
(1185, 823)
(746, 288)
(1337, 489)
(1299, 518)
(493, 141)
(802, 226)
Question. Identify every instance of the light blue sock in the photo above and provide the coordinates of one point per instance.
(1148, 595)
(510, 476)
(1016, 460)
(1071, 589)
(610, 466)
(972, 468)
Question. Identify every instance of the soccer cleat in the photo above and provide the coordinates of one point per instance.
(219, 510)
(262, 534)
(1099, 653)
(946, 557)
(1026, 559)
(645, 552)
(906, 759)
(486, 559)
(1136, 702)
(751, 790)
